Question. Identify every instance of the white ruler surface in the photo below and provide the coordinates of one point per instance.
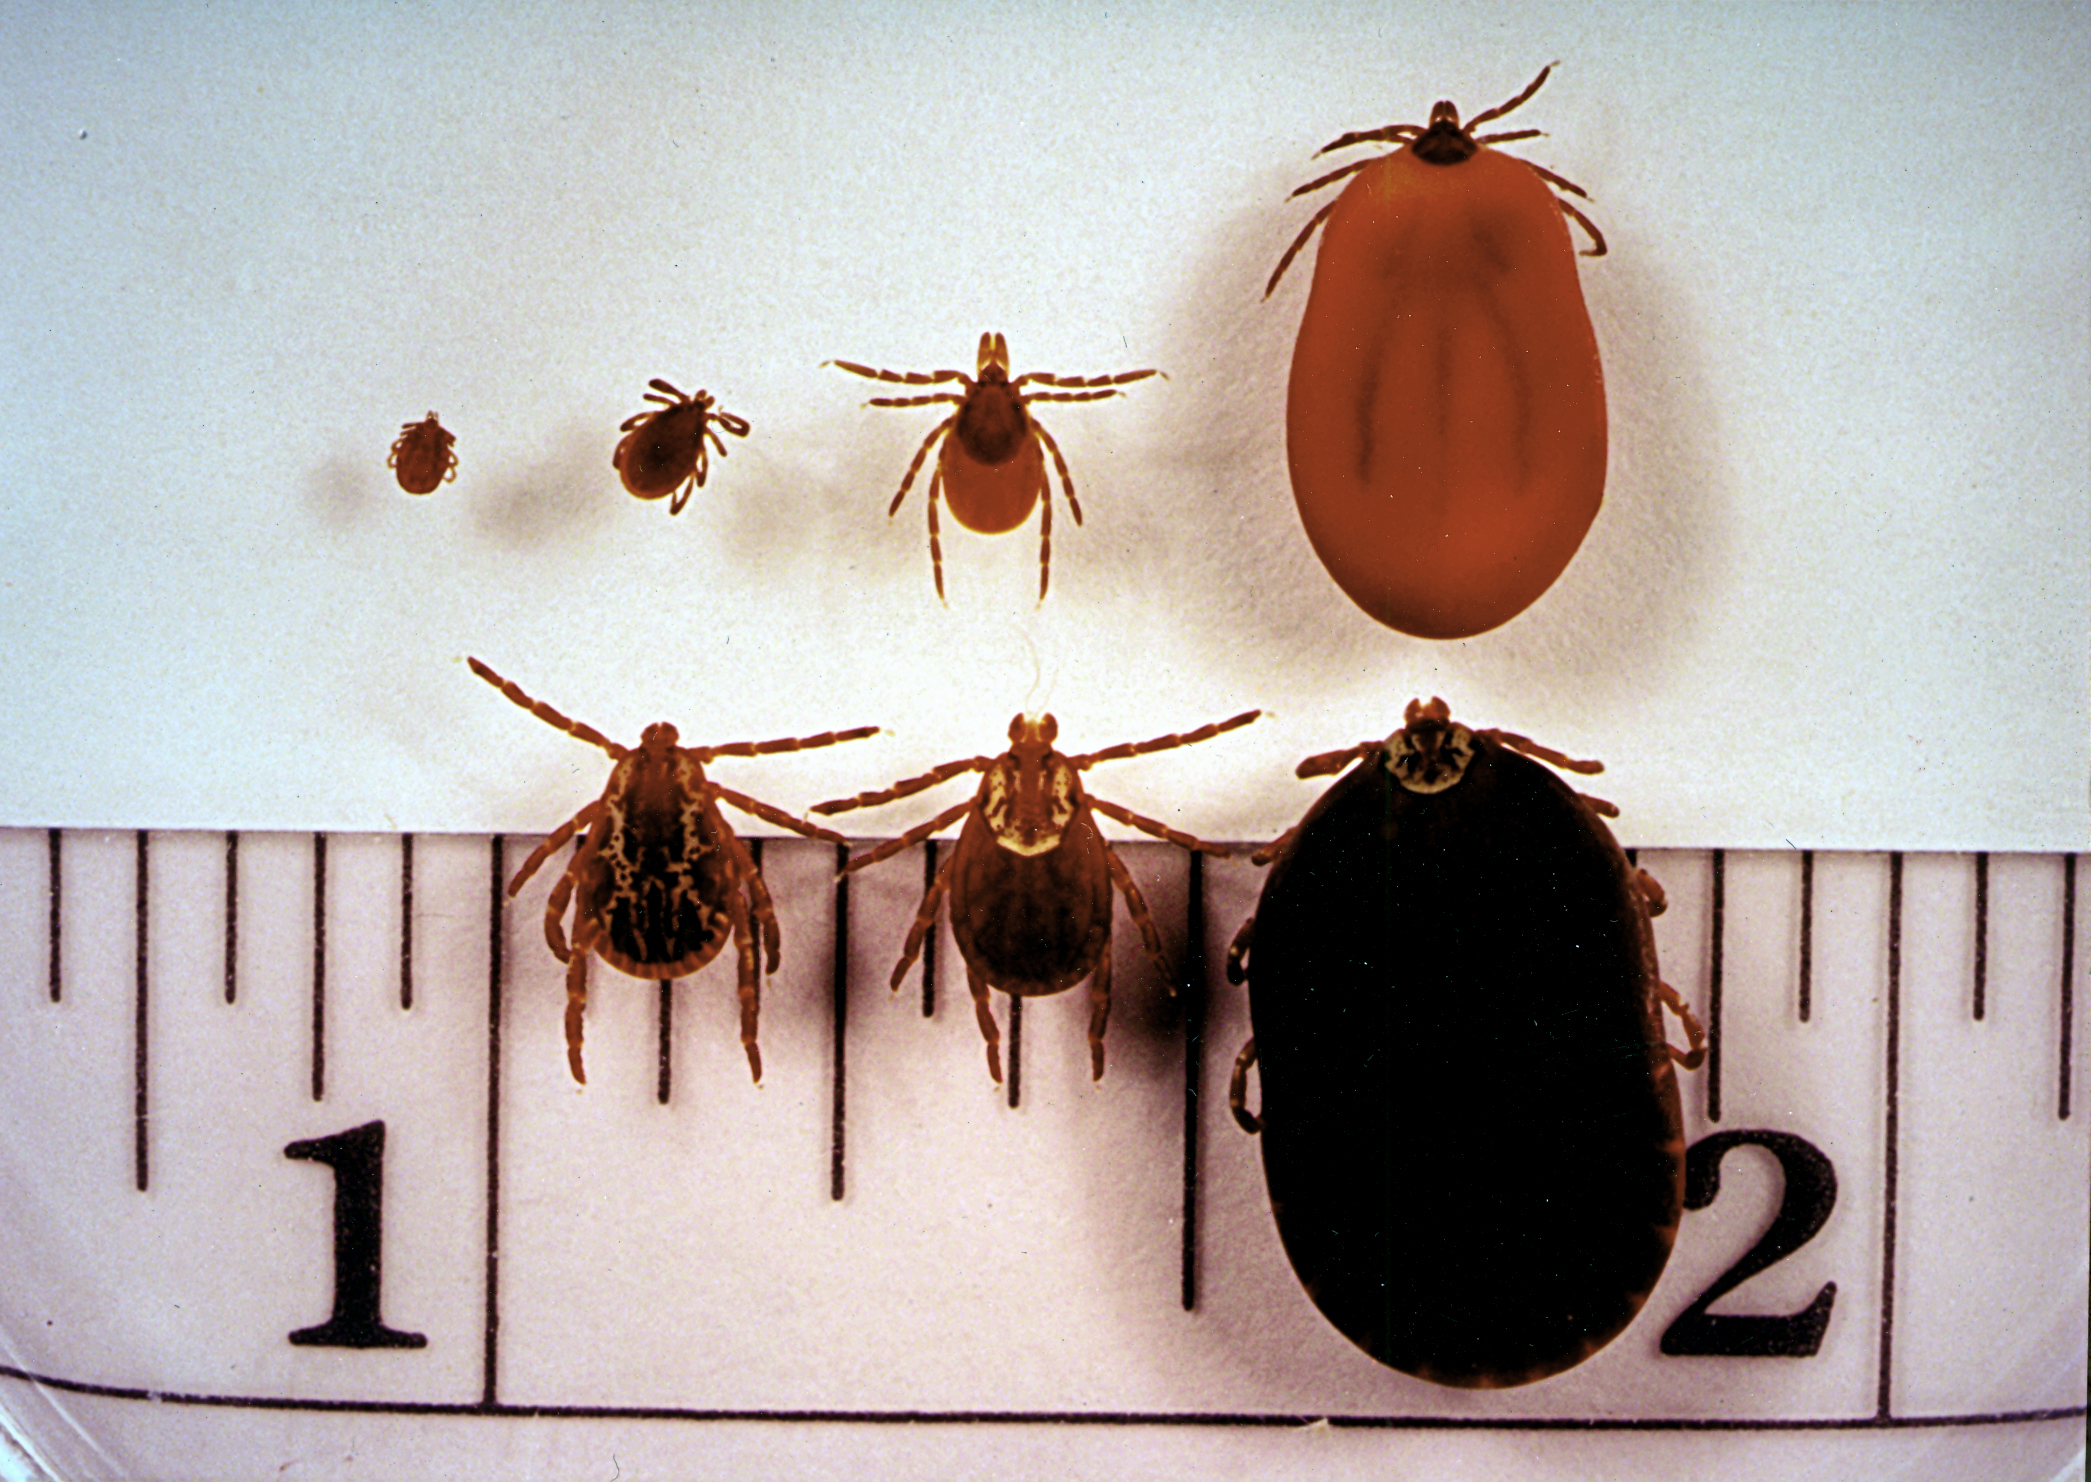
(291, 1158)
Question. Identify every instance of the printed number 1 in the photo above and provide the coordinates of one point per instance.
(357, 1157)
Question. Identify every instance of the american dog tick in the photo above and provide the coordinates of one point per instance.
(1030, 881)
(669, 450)
(992, 466)
(1470, 1116)
(422, 457)
(1445, 421)
(657, 885)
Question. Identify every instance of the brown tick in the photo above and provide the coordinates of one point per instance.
(669, 450)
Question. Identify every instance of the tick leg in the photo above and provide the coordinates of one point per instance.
(1597, 238)
(936, 549)
(905, 378)
(925, 921)
(1298, 242)
(942, 398)
(986, 1018)
(750, 980)
(576, 1003)
(911, 838)
(1502, 108)
(788, 743)
(1238, 952)
(689, 487)
(1694, 1031)
(907, 481)
(1652, 892)
(584, 819)
(1545, 754)
(758, 892)
(904, 789)
(1327, 763)
(777, 816)
(1136, 903)
(1160, 830)
(1099, 1009)
(1598, 806)
(1276, 847)
(738, 426)
(1392, 133)
(1047, 378)
(555, 916)
(546, 713)
(1162, 743)
(1067, 483)
(1335, 175)
(1238, 1090)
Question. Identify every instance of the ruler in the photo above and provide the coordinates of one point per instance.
(291, 1143)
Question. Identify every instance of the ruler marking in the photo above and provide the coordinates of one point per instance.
(1807, 972)
(666, 1017)
(1891, 1160)
(1718, 936)
(495, 898)
(319, 967)
(139, 1041)
(839, 998)
(1193, 1065)
(232, 915)
(1114, 1418)
(57, 887)
(406, 921)
(1016, 1047)
(929, 938)
(1981, 935)
(2068, 978)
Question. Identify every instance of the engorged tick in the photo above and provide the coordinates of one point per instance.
(669, 451)
(992, 466)
(1030, 881)
(1470, 1122)
(658, 884)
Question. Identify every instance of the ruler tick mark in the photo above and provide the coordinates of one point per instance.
(2068, 979)
(490, 1339)
(232, 915)
(319, 967)
(1981, 935)
(929, 939)
(1717, 938)
(1890, 1136)
(1193, 1065)
(139, 1025)
(406, 921)
(1807, 968)
(840, 1002)
(57, 887)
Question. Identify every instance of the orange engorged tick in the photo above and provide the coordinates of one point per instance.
(422, 458)
(668, 451)
(992, 466)
(1445, 421)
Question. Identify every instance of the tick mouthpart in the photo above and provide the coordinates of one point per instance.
(659, 737)
(1446, 141)
(1038, 730)
(1429, 753)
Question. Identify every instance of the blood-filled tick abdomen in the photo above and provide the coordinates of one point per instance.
(1445, 422)
(1471, 1128)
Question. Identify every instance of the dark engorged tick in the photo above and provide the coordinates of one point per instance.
(660, 881)
(992, 466)
(668, 451)
(1030, 881)
(422, 458)
(1470, 1118)
(1445, 417)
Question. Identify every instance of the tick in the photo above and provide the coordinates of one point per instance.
(668, 450)
(1445, 421)
(660, 881)
(1470, 1121)
(1030, 881)
(422, 458)
(992, 463)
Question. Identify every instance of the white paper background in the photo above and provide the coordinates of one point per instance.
(1838, 594)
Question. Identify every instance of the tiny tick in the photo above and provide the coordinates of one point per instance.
(1445, 421)
(1030, 881)
(668, 451)
(422, 458)
(1470, 1120)
(657, 884)
(992, 465)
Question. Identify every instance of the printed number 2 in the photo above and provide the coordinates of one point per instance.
(1810, 1195)
(357, 1157)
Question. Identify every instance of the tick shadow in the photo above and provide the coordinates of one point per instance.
(346, 491)
(568, 489)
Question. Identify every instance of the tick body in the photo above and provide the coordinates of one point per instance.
(1470, 1121)
(1445, 420)
(1031, 878)
(423, 457)
(660, 882)
(991, 465)
(668, 451)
